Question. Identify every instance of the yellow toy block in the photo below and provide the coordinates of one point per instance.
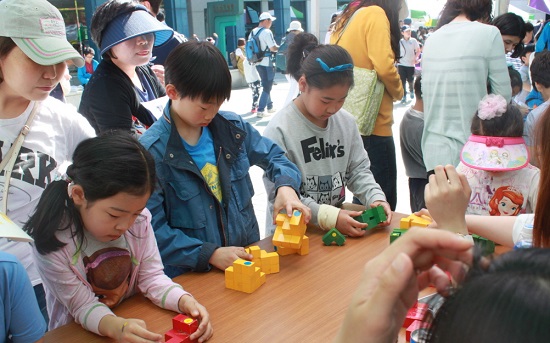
(244, 276)
(304, 249)
(254, 251)
(289, 233)
(414, 220)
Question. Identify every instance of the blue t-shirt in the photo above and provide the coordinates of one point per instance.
(205, 159)
(21, 317)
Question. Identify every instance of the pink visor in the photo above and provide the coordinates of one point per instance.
(495, 153)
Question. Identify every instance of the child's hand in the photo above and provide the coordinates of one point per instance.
(425, 213)
(127, 330)
(288, 200)
(349, 226)
(447, 196)
(387, 210)
(188, 305)
(225, 256)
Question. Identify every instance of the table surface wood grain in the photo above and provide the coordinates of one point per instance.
(304, 302)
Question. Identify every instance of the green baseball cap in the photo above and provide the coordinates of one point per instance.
(38, 29)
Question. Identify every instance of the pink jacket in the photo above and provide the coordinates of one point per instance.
(69, 296)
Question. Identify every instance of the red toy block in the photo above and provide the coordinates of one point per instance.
(417, 324)
(417, 312)
(183, 323)
(174, 336)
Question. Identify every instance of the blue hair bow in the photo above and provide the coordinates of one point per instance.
(341, 67)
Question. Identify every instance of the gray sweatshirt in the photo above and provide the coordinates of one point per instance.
(330, 159)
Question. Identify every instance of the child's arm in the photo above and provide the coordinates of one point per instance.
(190, 306)
(498, 228)
(176, 248)
(127, 330)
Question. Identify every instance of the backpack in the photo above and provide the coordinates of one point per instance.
(253, 50)
(233, 59)
(280, 58)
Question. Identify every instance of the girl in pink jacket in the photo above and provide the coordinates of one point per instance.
(94, 244)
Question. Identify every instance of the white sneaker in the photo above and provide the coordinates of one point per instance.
(271, 110)
(262, 114)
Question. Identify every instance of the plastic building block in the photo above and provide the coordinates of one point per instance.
(487, 246)
(396, 233)
(372, 217)
(417, 312)
(174, 336)
(334, 236)
(244, 276)
(290, 235)
(183, 323)
(414, 220)
(268, 262)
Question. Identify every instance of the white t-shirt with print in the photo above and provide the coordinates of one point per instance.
(54, 134)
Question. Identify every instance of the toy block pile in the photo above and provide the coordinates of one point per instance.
(406, 223)
(244, 276)
(268, 262)
(334, 236)
(182, 327)
(289, 236)
(372, 217)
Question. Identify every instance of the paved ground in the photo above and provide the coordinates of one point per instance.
(240, 102)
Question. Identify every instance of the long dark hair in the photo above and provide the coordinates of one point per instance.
(474, 10)
(511, 24)
(505, 302)
(391, 7)
(6, 46)
(103, 166)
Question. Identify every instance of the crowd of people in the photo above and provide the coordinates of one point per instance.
(125, 194)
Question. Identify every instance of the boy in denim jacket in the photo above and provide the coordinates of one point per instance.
(202, 209)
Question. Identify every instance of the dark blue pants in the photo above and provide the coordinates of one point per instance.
(381, 152)
(267, 74)
(41, 299)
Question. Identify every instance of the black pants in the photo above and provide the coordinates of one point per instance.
(407, 75)
(416, 193)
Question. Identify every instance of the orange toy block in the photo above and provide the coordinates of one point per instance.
(289, 233)
(244, 276)
(414, 220)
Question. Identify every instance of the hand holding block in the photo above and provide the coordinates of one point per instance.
(372, 217)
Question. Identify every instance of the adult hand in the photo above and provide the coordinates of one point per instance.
(347, 225)
(288, 200)
(188, 305)
(447, 195)
(225, 256)
(159, 72)
(391, 282)
(387, 210)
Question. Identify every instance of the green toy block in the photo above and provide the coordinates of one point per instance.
(487, 246)
(396, 233)
(372, 217)
(335, 236)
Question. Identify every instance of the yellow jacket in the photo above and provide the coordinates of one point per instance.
(367, 39)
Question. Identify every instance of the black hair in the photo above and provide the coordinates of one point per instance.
(418, 87)
(198, 70)
(529, 27)
(87, 50)
(6, 46)
(302, 57)
(105, 14)
(529, 48)
(509, 124)
(511, 24)
(474, 10)
(506, 302)
(540, 68)
(390, 7)
(103, 166)
(155, 6)
(160, 15)
(515, 78)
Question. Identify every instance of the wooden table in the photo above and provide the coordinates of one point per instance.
(304, 302)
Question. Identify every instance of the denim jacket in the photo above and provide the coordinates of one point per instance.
(189, 222)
